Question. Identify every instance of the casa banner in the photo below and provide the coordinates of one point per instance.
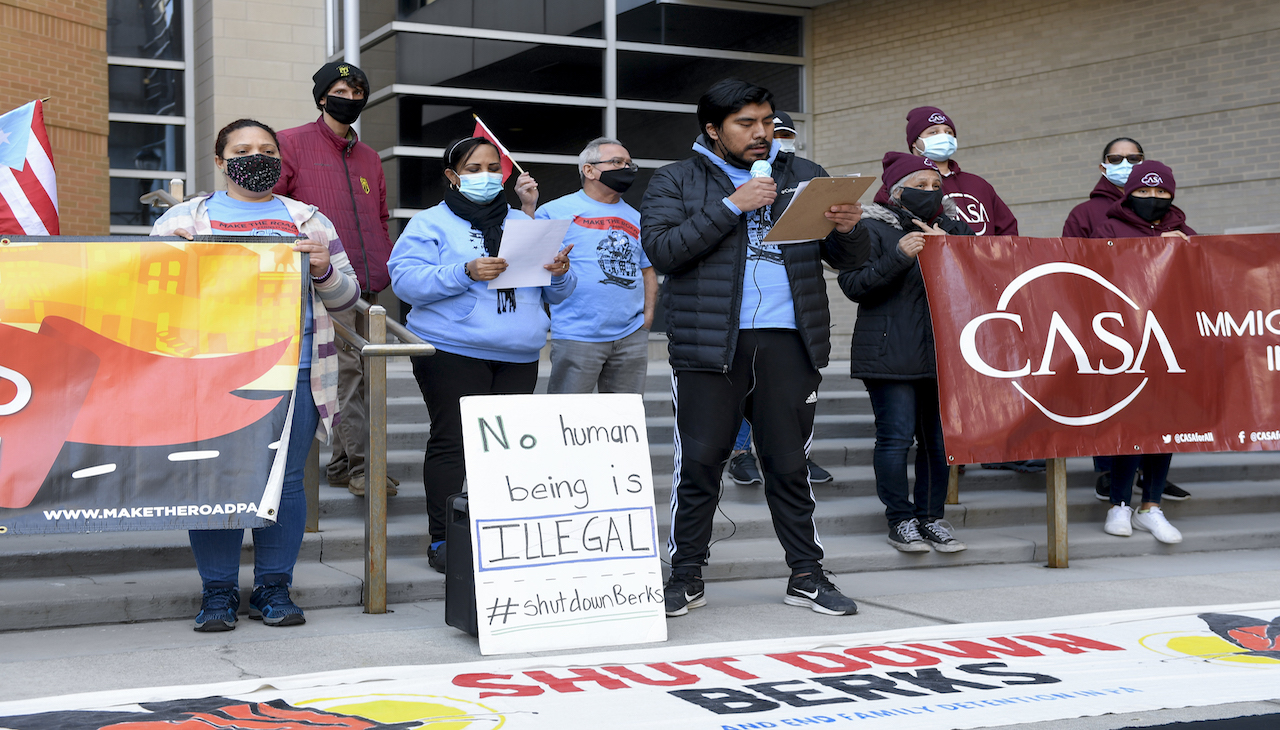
(1054, 347)
(145, 383)
(937, 677)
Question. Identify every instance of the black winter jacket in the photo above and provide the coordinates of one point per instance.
(690, 235)
(893, 337)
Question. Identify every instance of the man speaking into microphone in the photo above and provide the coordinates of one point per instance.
(748, 329)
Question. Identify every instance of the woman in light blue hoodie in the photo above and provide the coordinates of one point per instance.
(487, 340)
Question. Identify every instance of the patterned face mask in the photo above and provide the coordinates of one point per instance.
(255, 173)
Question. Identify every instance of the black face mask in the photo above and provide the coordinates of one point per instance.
(923, 204)
(1150, 209)
(255, 173)
(344, 111)
(618, 180)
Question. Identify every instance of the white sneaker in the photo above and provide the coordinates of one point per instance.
(1120, 521)
(1153, 521)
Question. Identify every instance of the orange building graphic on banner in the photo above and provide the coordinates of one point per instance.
(175, 298)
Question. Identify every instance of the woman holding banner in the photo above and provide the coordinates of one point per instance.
(246, 152)
(487, 340)
(1145, 210)
(893, 351)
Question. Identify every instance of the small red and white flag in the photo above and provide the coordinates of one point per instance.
(507, 163)
(28, 189)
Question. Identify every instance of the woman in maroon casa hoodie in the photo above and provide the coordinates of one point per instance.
(1089, 218)
(1146, 210)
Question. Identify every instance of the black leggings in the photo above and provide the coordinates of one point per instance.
(443, 379)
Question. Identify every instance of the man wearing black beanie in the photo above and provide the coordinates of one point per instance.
(326, 165)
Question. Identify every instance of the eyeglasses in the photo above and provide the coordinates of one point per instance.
(619, 163)
(1117, 159)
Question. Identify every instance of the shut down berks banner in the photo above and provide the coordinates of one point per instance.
(1051, 347)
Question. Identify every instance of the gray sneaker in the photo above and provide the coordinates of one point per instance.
(905, 536)
(938, 534)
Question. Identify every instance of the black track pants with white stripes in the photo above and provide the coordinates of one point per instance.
(772, 383)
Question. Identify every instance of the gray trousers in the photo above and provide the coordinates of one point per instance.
(615, 367)
(351, 435)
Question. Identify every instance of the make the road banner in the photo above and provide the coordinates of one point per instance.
(1052, 347)
(560, 493)
(144, 382)
(936, 677)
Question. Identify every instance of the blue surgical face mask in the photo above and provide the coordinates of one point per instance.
(1118, 175)
(939, 147)
(480, 187)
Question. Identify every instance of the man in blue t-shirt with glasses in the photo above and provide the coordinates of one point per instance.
(600, 334)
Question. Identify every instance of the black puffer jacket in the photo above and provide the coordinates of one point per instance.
(893, 337)
(690, 235)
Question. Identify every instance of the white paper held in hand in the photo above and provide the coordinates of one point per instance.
(528, 246)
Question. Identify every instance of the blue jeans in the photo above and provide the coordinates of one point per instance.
(744, 437)
(1155, 472)
(908, 411)
(275, 548)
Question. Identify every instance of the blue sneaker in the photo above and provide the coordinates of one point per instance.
(271, 605)
(218, 608)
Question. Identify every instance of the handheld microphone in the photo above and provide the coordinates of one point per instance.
(761, 168)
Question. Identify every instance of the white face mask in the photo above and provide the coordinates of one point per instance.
(787, 145)
(939, 147)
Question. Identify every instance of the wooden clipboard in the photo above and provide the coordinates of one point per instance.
(803, 220)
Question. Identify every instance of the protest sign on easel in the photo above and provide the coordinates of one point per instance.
(564, 536)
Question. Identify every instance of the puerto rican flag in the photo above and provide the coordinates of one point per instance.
(482, 130)
(28, 190)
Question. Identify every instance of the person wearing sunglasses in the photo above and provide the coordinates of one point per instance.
(1089, 220)
(600, 333)
(1090, 217)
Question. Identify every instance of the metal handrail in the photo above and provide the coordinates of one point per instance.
(375, 350)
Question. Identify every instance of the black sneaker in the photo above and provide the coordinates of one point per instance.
(938, 534)
(906, 537)
(272, 605)
(1102, 490)
(818, 475)
(814, 591)
(436, 558)
(1174, 493)
(743, 469)
(683, 592)
(218, 607)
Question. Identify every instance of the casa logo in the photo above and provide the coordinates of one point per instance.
(937, 118)
(1230, 639)
(930, 163)
(1256, 436)
(1152, 179)
(972, 211)
(20, 388)
(1107, 345)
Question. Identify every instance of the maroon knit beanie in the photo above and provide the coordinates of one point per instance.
(921, 118)
(1150, 174)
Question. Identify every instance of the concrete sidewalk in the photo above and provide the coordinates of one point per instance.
(86, 659)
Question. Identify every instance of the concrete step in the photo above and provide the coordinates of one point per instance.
(743, 514)
(72, 600)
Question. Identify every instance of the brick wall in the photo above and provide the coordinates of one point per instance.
(59, 50)
(1038, 88)
(254, 58)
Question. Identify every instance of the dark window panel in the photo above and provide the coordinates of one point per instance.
(655, 77)
(498, 65)
(730, 30)
(657, 135)
(145, 29)
(579, 18)
(145, 90)
(546, 128)
(146, 146)
(125, 208)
